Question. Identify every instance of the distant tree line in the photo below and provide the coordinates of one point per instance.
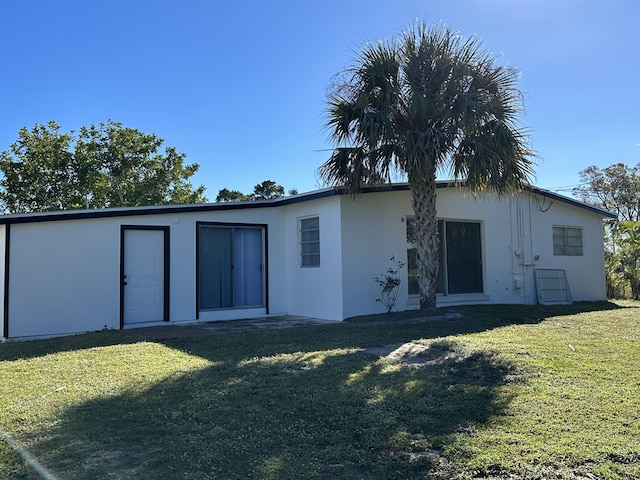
(267, 190)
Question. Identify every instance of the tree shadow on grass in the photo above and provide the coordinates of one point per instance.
(278, 411)
(474, 318)
(23, 350)
(307, 402)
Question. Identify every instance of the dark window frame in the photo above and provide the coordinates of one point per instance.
(448, 282)
(167, 267)
(265, 264)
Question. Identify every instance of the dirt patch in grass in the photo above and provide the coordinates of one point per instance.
(411, 353)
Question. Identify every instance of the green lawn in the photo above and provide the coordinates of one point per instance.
(503, 392)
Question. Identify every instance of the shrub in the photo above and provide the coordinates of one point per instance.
(389, 283)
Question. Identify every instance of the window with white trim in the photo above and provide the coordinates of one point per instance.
(567, 241)
(310, 242)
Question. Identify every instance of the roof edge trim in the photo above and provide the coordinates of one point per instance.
(35, 217)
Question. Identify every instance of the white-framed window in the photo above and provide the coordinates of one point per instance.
(309, 241)
(567, 241)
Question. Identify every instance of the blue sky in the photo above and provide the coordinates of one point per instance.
(240, 86)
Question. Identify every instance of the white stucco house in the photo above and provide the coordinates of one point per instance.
(313, 254)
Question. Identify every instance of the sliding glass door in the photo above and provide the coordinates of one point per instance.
(460, 256)
(230, 266)
(247, 267)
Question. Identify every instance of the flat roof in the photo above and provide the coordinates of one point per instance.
(34, 217)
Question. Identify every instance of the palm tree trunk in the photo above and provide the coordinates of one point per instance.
(423, 199)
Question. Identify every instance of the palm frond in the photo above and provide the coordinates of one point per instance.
(495, 158)
(427, 100)
(355, 167)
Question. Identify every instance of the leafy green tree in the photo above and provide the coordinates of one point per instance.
(267, 190)
(615, 188)
(38, 171)
(104, 166)
(425, 101)
(132, 171)
(628, 256)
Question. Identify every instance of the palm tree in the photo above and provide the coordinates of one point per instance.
(425, 102)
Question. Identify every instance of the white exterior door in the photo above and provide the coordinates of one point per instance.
(143, 276)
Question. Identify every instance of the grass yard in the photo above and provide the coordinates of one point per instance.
(503, 392)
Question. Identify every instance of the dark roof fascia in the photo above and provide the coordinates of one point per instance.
(221, 206)
(571, 201)
(36, 217)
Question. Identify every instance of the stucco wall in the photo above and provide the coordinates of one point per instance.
(65, 275)
(516, 234)
(373, 229)
(315, 291)
(3, 229)
(585, 273)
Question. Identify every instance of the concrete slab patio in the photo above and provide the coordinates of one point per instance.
(165, 332)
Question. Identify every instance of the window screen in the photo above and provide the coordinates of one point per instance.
(567, 241)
